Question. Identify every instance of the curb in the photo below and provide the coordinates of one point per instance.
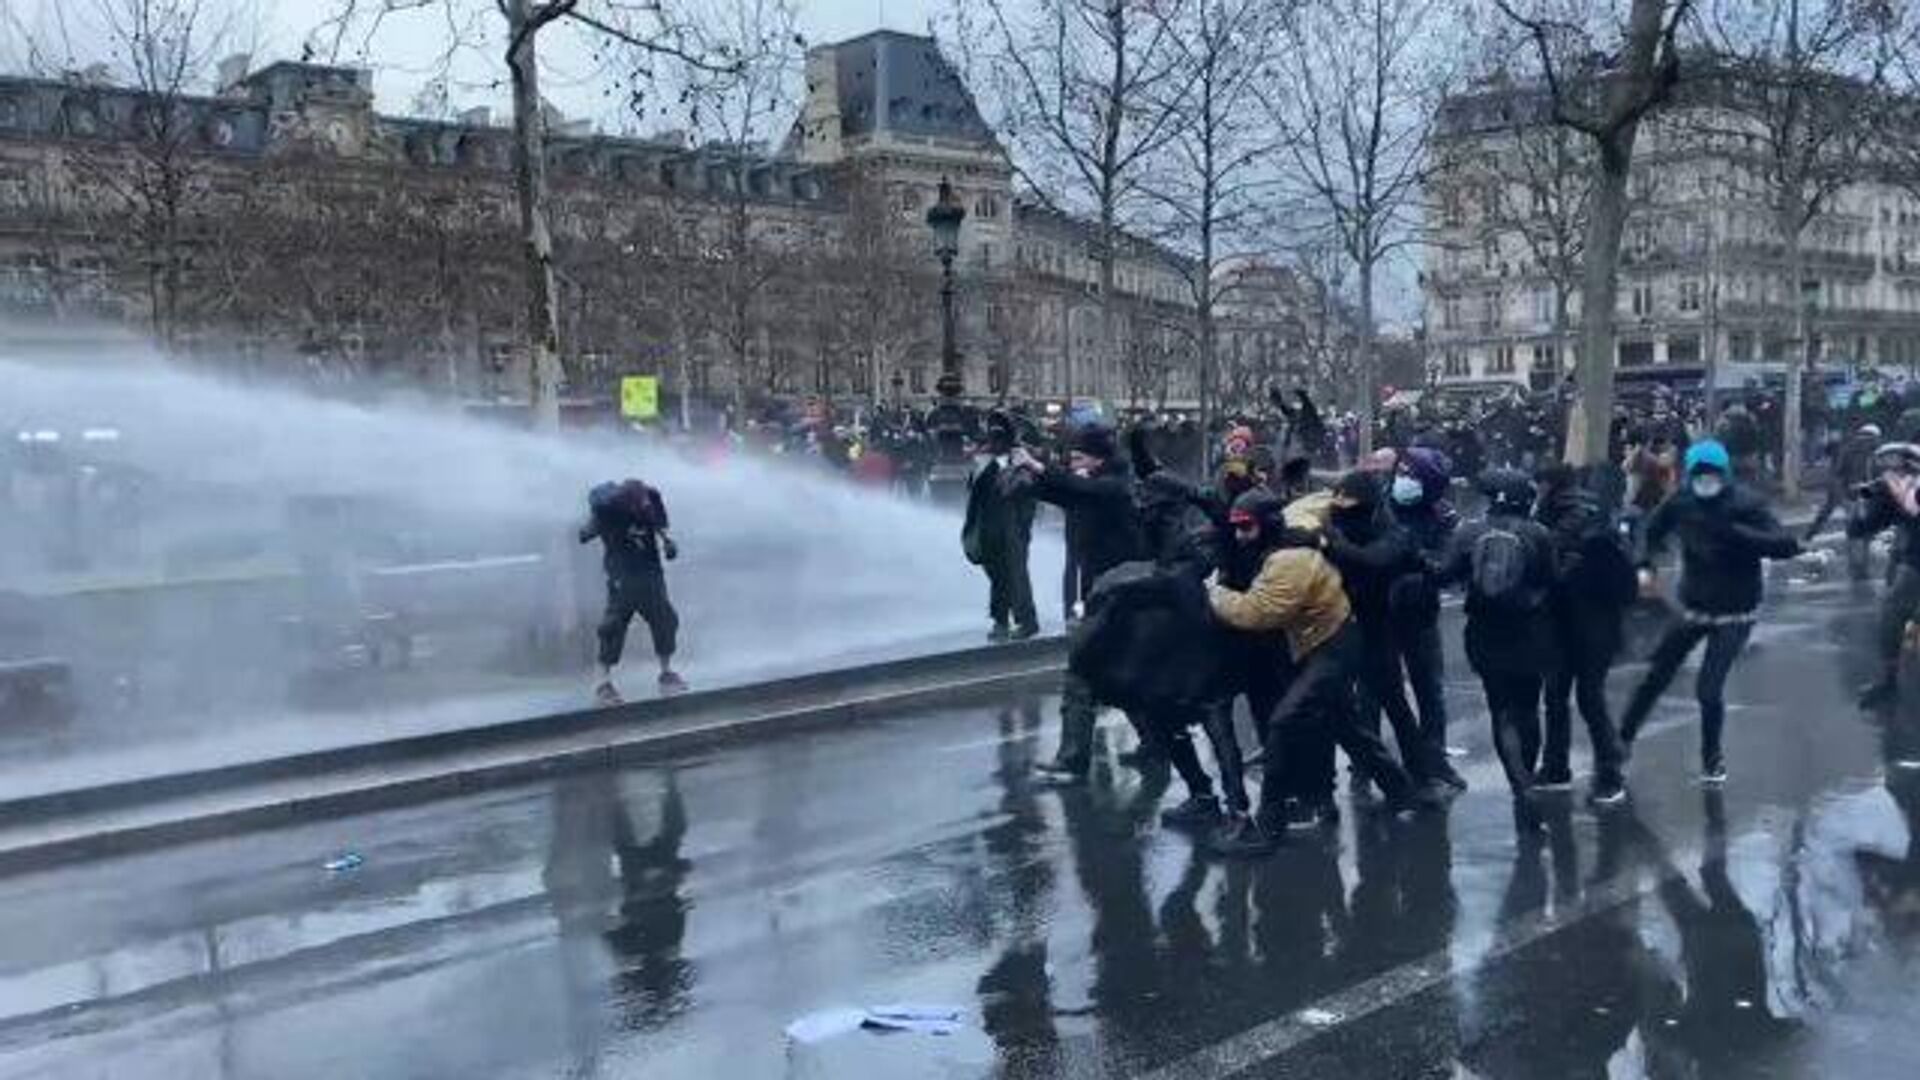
(57, 827)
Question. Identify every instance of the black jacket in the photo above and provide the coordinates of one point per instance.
(1371, 560)
(1722, 542)
(1102, 531)
(1515, 639)
(1595, 581)
(629, 531)
(999, 514)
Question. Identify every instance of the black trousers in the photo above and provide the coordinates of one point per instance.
(1171, 731)
(1724, 642)
(1009, 587)
(1420, 650)
(1513, 704)
(1080, 714)
(1320, 697)
(1583, 679)
(1383, 689)
(644, 595)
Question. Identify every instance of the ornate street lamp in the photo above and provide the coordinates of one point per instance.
(947, 422)
(944, 218)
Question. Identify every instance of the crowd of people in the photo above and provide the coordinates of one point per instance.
(1315, 594)
(1307, 580)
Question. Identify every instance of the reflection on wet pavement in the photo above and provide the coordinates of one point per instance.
(672, 920)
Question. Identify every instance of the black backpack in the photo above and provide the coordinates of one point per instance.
(1498, 561)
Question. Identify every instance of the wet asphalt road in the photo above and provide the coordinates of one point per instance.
(672, 919)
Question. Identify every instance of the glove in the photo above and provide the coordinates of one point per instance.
(668, 548)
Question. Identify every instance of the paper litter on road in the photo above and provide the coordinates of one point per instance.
(825, 1024)
(1318, 1017)
(922, 1019)
(918, 1019)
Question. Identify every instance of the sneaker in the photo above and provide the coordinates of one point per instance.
(1434, 795)
(1607, 793)
(1300, 815)
(998, 634)
(1713, 775)
(1198, 812)
(671, 683)
(1453, 780)
(1060, 775)
(1553, 780)
(608, 694)
(1023, 633)
(1244, 839)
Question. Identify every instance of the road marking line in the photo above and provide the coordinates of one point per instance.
(1284, 1034)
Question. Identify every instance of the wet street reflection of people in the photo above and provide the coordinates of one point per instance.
(1566, 1005)
(1016, 1002)
(1723, 1018)
(621, 911)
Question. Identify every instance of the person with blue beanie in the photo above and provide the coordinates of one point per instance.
(1725, 531)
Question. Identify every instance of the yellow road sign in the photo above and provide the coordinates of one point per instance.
(640, 397)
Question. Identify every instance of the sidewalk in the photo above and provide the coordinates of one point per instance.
(42, 756)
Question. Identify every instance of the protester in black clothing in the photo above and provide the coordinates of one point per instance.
(1373, 553)
(1506, 561)
(1888, 502)
(1725, 531)
(1595, 584)
(1095, 490)
(630, 521)
(1418, 497)
(997, 534)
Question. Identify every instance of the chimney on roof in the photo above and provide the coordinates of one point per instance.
(234, 69)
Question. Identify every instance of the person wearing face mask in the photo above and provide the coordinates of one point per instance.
(1725, 532)
(1372, 552)
(1888, 502)
(1418, 500)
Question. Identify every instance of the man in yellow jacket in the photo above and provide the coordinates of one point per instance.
(1299, 594)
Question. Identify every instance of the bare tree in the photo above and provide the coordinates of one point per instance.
(1791, 96)
(645, 33)
(1603, 76)
(1355, 95)
(140, 163)
(1084, 86)
(1541, 190)
(1206, 181)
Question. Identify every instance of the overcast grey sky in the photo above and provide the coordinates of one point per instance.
(409, 47)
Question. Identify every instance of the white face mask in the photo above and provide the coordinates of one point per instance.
(1708, 485)
(1407, 490)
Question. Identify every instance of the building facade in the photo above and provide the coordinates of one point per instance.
(284, 222)
(1707, 290)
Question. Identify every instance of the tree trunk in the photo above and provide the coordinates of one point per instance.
(1590, 421)
(530, 183)
(1363, 360)
(1799, 363)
